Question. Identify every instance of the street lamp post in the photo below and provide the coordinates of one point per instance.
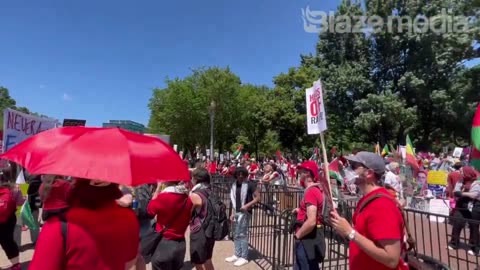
(212, 119)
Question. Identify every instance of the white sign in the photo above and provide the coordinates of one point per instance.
(457, 153)
(19, 126)
(440, 207)
(316, 117)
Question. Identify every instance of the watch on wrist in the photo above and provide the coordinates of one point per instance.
(351, 235)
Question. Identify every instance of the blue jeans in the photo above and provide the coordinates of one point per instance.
(240, 238)
(302, 262)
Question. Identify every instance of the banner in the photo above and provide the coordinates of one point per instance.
(74, 123)
(316, 117)
(19, 126)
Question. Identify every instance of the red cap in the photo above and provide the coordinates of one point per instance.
(311, 166)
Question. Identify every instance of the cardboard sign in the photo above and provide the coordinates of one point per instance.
(437, 178)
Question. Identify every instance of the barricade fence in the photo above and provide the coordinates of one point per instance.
(272, 243)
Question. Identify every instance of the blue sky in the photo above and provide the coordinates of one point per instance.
(100, 60)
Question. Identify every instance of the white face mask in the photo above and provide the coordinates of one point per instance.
(350, 175)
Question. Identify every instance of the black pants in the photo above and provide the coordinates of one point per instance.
(6, 237)
(201, 247)
(169, 255)
(474, 225)
(459, 217)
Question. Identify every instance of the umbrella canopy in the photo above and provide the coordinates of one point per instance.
(109, 154)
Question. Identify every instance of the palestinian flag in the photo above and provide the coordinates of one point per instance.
(316, 154)
(410, 155)
(385, 150)
(476, 129)
(475, 158)
(279, 155)
(237, 154)
(334, 170)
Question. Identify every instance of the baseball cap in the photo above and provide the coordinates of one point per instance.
(311, 166)
(369, 160)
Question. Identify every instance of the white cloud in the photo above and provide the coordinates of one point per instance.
(66, 97)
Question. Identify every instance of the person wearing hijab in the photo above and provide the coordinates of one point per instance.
(465, 193)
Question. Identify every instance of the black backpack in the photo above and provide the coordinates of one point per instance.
(216, 222)
(143, 195)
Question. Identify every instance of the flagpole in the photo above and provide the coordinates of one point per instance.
(325, 161)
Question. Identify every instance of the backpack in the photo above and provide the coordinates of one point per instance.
(327, 207)
(7, 204)
(143, 195)
(216, 223)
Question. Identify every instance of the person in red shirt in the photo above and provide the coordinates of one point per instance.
(173, 209)
(96, 233)
(8, 220)
(376, 238)
(253, 170)
(309, 239)
(54, 192)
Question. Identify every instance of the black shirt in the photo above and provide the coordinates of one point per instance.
(238, 197)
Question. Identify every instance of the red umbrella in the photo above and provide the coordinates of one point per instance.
(109, 154)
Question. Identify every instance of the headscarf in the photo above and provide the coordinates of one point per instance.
(469, 174)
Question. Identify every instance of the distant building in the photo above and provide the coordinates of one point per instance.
(127, 125)
(163, 137)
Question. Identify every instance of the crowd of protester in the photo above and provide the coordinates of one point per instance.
(91, 224)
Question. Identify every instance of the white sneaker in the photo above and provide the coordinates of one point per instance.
(470, 252)
(240, 262)
(231, 259)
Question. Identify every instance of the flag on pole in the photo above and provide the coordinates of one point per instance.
(385, 150)
(334, 170)
(410, 155)
(476, 129)
(237, 154)
(316, 154)
(27, 217)
(278, 153)
(475, 158)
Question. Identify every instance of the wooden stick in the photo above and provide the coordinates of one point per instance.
(325, 161)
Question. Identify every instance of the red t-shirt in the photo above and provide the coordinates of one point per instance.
(103, 239)
(313, 196)
(166, 206)
(57, 197)
(379, 220)
(251, 171)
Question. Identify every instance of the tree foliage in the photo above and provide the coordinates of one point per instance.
(378, 87)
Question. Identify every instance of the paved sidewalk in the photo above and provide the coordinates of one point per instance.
(222, 250)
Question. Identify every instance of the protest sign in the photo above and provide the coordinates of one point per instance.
(457, 152)
(437, 177)
(316, 118)
(74, 123)
(19, 126)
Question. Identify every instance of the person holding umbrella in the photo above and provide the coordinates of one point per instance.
(96, 233)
